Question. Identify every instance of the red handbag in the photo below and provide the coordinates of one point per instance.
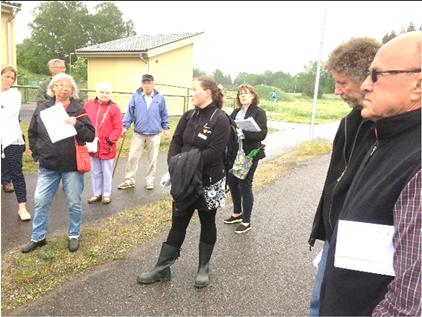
(83, 163)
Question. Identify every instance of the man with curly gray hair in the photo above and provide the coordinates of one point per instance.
(348, 64)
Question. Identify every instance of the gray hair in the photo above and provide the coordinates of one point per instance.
(53, 61)
(60, 76)
(103, 85)
(353, 58)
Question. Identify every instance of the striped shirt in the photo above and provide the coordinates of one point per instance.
(403, 297)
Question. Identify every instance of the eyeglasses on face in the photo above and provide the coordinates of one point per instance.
(373, 73)
(63, 85)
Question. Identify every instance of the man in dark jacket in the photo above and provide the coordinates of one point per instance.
(386, 191)
(348, 64)
(55, 66)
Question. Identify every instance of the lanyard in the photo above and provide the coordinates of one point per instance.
(97, 128)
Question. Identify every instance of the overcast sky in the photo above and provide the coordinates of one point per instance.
(258, 36)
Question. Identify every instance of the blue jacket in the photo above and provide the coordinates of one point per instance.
(151, 121)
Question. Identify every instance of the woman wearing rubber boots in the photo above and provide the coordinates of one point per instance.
(201, 149)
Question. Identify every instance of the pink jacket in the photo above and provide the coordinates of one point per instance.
(107, 121)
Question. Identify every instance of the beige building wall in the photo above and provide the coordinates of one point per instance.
(8, 53)
(124, 73)
(173, 68)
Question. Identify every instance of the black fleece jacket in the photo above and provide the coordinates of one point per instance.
(353, 139)
(253, 139)
(192, 132)
(384, 172)
(61, 155)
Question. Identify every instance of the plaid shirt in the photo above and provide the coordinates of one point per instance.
(404, 292)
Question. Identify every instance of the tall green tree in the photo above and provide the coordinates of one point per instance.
(222, 79)
(389, 36)
(108, 14)
(61, 27)
(199, 72)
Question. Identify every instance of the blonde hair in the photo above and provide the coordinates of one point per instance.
(8, 68)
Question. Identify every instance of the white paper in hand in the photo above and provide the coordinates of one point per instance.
(248, 124)
(165, 180)
(54, 121)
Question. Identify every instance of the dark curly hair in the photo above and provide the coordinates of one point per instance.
(353, 57)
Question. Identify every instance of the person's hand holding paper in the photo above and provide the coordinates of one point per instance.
(248, 124)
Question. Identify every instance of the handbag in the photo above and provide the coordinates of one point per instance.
(214, 195)
(92, 146)
(241, 166)
(83, 163)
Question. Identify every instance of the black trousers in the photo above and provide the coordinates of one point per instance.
(11, 170)
(241, 192)
(181, 219)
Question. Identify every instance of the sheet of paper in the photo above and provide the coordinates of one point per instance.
(54, 121)
(248, 124)
(165, 180)
(365, 247)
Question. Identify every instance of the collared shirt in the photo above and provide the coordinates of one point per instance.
(148, 99)
(404, 292)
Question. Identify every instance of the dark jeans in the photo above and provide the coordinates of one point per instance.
(241, 192)
(11, 170)
(181, 219)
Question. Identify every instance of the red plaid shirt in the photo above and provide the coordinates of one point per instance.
(404, 292)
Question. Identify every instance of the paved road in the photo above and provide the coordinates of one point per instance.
(16, 233)
(264, 272)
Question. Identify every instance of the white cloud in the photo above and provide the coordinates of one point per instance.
(258, 36)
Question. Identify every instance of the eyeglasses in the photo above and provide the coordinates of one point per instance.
(63, 86)
(374, 73)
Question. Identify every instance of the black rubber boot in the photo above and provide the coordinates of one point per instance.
(205, 252)
(161, 272)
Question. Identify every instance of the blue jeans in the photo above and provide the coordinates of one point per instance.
(47, 184)
(314, 305)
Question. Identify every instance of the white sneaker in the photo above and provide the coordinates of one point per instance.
(149, 186)
(24, 214)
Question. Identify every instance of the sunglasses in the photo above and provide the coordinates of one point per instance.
(374, 73)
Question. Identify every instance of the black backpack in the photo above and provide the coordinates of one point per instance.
(232, 145)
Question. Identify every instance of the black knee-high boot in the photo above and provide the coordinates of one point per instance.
(205, 252)
(161, 272)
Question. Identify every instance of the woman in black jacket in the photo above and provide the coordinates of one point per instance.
(192, 134)
(241, 190)
(57, 161)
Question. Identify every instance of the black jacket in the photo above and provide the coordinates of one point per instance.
(353, 139)
(385, 171)
(185, 171)
(61, 155)
(253, 139)
(192, 132)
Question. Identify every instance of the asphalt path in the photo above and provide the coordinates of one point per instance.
(265, 272)
(15, 233)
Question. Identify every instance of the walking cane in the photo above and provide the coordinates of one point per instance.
(118, 155)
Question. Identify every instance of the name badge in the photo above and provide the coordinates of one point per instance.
(202, 136)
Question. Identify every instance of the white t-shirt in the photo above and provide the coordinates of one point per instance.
(10, 105)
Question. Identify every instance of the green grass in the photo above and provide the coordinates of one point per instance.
(26, 277)
(329, 108)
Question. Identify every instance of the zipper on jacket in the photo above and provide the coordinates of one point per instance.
(346, 165)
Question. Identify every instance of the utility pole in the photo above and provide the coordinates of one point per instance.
(314, 102)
